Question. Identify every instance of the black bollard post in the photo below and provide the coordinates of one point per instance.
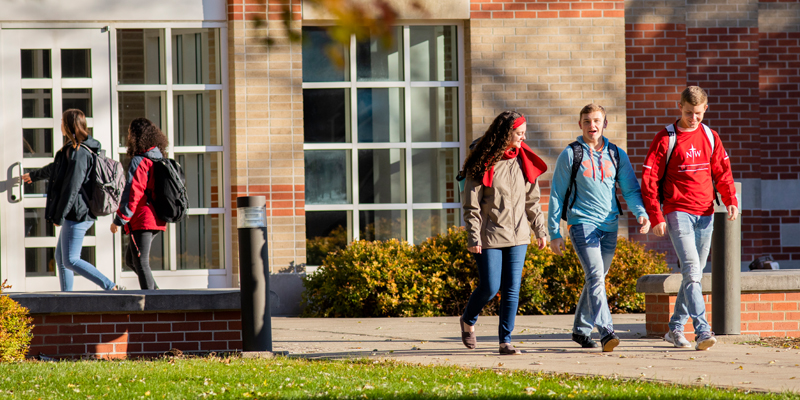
(726, 265)
(254, 273)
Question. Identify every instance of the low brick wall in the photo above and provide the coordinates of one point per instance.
(770, 303)
(133, 323)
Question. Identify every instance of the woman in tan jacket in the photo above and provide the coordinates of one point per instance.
(501, 211)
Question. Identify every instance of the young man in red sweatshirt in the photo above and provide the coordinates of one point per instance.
(685, 163)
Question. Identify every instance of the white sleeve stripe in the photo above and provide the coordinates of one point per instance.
(647, 166)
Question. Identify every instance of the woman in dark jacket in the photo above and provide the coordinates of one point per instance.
(136, 213)
(68, 181)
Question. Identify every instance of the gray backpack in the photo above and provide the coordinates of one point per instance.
(108, 182)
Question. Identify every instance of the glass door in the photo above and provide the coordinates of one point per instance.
(45, 72)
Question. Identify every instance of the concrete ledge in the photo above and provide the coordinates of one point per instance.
(760, 282)
(129, 301)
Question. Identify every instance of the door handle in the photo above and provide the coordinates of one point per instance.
(14, 197)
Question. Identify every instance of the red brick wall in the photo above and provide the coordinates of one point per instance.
(492, 9)
(135, 335)
(763, 314)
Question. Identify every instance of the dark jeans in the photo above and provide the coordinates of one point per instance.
(499, 270)
(140, 263)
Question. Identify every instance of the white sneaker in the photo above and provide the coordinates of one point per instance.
(705, 340)
(677, 339)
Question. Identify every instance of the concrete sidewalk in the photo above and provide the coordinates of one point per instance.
(546, 345)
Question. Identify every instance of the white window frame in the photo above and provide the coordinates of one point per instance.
(169, 88)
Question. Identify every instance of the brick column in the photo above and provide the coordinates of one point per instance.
(267, 125)
(546, 59)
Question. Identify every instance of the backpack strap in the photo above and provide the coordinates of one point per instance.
(612, 148)
(673, 138)
(710, 137)
(577, 157)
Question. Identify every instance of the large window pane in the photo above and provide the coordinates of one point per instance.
(37, 103)
(140, 55)
(36, 225)
(382, 224)
(158, 258)
(376, 62)
(77, 98)
(327, 176)
(203, 179)
(198, 119)
(380, 115)
(434, 53)
(433, 173)
(200, 242)
(195, 56)
(36, 63)
(326, 115)
(76, 63)
(40, 261)
(381, 176)
(434, 114)
(428, 223)
(132, 105)
(326, 232)
(35, 188)
(37, 143)
(324, 60)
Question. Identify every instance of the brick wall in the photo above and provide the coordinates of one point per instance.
(763, 314)
(134, 335)
(546, 59)
(266, 119)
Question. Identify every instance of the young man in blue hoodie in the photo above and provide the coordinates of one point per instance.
(592, 213)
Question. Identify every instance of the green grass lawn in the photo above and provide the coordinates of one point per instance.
(290, 378)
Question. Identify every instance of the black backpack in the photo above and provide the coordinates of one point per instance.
(577, 157)
(169, 198)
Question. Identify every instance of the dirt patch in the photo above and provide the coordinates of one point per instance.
(780, 342)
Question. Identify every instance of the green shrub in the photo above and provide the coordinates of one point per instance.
(15, 329)
(395, 279)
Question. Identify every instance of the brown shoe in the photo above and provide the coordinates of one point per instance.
(467, 337)
(509, 349)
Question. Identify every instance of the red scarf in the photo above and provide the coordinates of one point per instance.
(532, 165)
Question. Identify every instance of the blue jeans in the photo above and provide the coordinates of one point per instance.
(68, 257)
(595, 250)
(691, 237)
(499, 270)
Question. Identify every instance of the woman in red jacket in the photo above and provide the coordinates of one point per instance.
(145, 143)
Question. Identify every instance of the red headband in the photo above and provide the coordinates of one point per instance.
(517, 122)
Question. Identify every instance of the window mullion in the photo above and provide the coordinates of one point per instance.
(407, 112)
(354, 138)
(171, 235)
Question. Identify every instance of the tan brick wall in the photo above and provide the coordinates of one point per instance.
(778, 17)
(547, 69)
(266, 129)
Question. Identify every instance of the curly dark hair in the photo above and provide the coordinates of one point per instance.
(491, 146)
(144, 134)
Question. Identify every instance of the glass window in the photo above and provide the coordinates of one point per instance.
(434, 115)
(76, 63)
(132, 105)
(434, 51)
(358, 162)
(327, 177)
(37, 143)
(35, 64)
(324, 60)
(326, 232)
(40, 261)
(326, 115)
(36, 225)
(77, 98)
(380, 115)
(35, 188)
(197, 118)
(381, 176)
(377, 62)
(37, 103)
(195, 56)
(140, 55)
(200, 242)
(203, 179)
